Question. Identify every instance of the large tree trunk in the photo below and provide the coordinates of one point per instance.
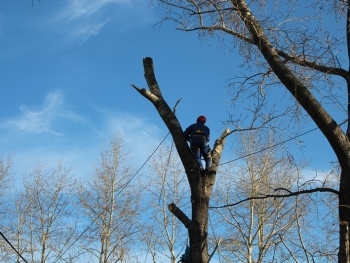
(344, 216)
(336, 137)
(201, 187)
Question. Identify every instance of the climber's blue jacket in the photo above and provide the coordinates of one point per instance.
(197, 129)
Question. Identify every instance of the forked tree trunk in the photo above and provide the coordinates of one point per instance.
(201, 187)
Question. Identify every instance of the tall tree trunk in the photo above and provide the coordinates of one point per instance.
(201, 187)
(344, 215)
(336, 137)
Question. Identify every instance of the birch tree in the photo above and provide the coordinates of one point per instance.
(162, 233)
(110, 204)
(6, 166)
(42, 224)
(267, 229)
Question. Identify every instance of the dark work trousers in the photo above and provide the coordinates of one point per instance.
(200, 147)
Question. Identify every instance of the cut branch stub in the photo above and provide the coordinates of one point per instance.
(180, 215)
(217, 150)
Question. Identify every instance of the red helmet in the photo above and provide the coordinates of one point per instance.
(202, 119)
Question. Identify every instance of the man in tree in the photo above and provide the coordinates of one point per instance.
(198, 135)
(200, 189)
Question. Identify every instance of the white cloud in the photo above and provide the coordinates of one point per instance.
(86, 31)
(78, 9)
(141, 137)
(82, 19)
(80, 146)
(132, 126)
(43, 119)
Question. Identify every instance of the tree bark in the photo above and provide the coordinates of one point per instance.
(201, 187)
(344, 216)
(332, 131)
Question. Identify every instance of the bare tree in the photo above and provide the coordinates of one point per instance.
(6, 166)
(163, 234)
(42, 222)
(201, 187)
(296, 44)
(110, 205)
(5, 173)
(272, 229)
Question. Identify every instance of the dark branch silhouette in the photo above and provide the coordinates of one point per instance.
(329, 190)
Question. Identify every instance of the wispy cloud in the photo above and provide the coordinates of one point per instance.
(85, 18)
(77, 150)
(78, 9)
(140, 135)
(86, 31)
(43, 119)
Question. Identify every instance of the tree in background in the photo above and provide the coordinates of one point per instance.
(302, 45)
(5, 173)
(5, 183)
(110, 205)
(267, 229)
(166, 184)
(41, 219)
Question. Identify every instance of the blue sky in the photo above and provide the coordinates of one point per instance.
(66, 72)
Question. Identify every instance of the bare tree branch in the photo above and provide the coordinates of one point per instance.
(180, 215)
(329, 190)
